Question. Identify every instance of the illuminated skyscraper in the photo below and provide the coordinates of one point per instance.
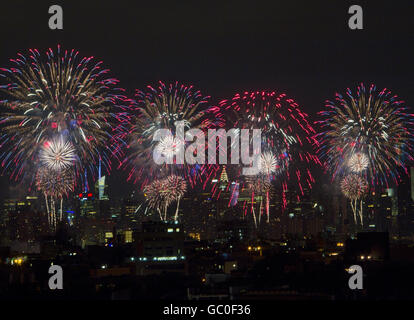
(100, 185)
(223, 178)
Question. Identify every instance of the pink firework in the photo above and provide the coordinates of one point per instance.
(287, 142)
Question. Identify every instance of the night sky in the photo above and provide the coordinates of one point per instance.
(303, 48)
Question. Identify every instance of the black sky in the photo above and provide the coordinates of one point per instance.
(303, 48)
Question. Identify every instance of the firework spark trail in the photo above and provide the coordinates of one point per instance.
(259, 187)
(354, 187)
(54, 185)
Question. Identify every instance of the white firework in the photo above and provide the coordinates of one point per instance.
(169, 146)
(268, 163)
(57, 154)
(358, 162)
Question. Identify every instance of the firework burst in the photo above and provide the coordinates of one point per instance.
(158, 197)
(57, 154)
(59, 94)
(153, 195)
(355, 187)
(176, 187)
(358, 162)
(168, 147)
(54, 185)
(370, 122)
(258, 184)
(268, 163)
(160, 194)
(163, 108)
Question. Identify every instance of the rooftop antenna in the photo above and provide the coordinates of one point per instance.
(86, 182)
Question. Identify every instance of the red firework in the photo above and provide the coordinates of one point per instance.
(287, 142)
